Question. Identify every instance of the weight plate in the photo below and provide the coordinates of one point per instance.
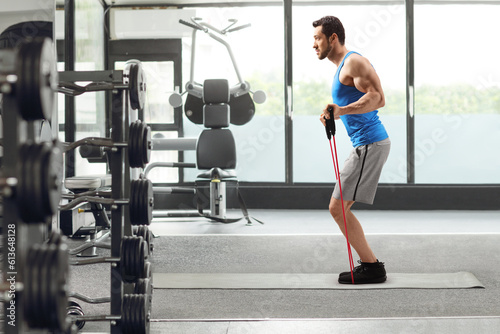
(133, 202)
(29, 200)
(137, 86)
(148, 200)
(147, 272)
(31, 283)
(52, 171)
(146, 145)
(139, 144)
(132, 145)
(37, 79)
(40, 183)
(135, 314)
(58, 281)
(144, 232)
(132, 258)
(141, 202)
(47, 293)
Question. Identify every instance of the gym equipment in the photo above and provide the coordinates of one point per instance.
(39, 184)
(144, 232)
(134, 319)
(132, 262)
(330, 133)
(132, 79)
(45, 284)
(140, 204)
(30, 73)
(139, 144)
(242, 107)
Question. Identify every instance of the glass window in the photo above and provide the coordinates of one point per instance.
(378, 33)
(259, 54)
(457, 105)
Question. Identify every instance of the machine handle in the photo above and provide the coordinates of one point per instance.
(189, 24)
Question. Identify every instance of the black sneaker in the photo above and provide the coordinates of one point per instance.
(365, 273)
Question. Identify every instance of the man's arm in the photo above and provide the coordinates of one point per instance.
(366, 80)
(359, 72)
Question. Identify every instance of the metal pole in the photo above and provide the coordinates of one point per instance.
(69, 65)
(287, 4)
(410, 93)
(117, 164)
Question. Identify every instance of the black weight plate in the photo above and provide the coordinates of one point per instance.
(242, 109)
(140, 144)
(123, 256)
(135, 317)
(132, 141)
(36, 182)
(37, 179)
(30, 282)
(37, 77)
(147, 272)
(193, 109)
(39, 315)
(133, 252)
(30, 203)
(40, 293)
(126, 320)
(52, 169)
(137, 86)
(143, 286)
(149, 201)
(142, 201)
(23, 192)
(47, 292)
(141, 258)
(144, 232)
(58, 282)
(133, 202)
(146, 145)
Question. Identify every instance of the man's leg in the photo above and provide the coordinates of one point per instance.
(354, 230)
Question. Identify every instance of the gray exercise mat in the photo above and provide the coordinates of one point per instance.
(263, 281)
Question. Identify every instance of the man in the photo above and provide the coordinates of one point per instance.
(357, 94)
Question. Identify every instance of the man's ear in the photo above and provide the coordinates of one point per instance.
(332, 38)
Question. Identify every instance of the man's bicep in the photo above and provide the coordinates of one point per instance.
(366, 79)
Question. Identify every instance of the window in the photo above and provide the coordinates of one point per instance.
(457, 105)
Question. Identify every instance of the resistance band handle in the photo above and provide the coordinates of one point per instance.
(332, 121)
(330, 124)
(327, 129)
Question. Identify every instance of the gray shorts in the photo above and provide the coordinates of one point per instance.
(361, 172)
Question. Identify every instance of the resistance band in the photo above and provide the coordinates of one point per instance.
(330, 133)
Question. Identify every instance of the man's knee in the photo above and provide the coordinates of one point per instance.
(335, 208)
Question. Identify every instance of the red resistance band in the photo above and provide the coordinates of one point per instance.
(330, 133)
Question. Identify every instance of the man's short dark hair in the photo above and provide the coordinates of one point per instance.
(331, 25)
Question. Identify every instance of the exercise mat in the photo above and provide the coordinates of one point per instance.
(266, 281)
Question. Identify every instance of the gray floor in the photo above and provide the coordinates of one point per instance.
(431, 241)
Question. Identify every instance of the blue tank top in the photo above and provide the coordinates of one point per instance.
(363, 129)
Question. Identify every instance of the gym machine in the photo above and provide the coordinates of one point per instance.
(216, 105)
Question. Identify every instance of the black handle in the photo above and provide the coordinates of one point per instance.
(189, 24)
(330, 124)
(332, 121)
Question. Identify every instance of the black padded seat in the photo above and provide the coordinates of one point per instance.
(216, 148)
